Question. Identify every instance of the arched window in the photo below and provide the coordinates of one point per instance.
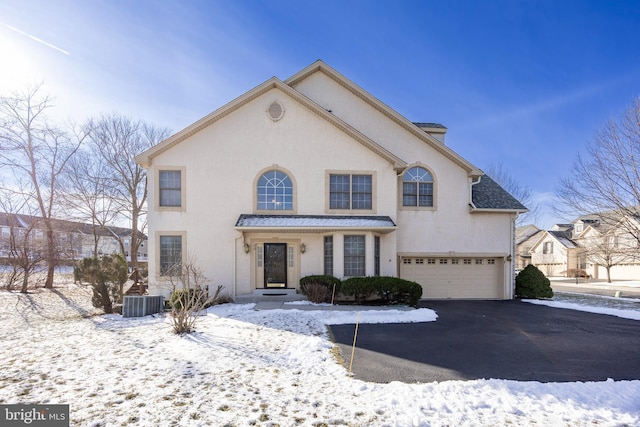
(417, 188)
(275, 192)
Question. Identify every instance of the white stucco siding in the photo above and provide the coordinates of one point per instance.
(222, 162)
(445, 231)
(369, 120)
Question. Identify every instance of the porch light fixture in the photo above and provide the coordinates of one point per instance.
(246, 248)
(303, 248)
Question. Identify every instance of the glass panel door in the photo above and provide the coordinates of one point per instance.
(275, 265)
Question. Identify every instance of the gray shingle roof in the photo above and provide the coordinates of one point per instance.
(564, 237)
(313, 221)
(487, 194)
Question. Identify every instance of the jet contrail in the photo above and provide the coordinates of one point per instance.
(36, 39)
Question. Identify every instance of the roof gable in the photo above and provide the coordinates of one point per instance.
(561, 237)
(413, 128)
(146, 158)
(564, 238)
(526, 233)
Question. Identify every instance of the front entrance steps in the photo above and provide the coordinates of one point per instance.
(275, 295)
(275, 292)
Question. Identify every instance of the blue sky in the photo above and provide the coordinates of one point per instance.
(521, 83)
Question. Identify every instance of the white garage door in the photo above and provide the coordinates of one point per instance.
(462, 278)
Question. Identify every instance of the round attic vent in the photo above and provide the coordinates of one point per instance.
(275, 111)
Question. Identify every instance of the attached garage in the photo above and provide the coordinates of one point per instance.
(479, 277)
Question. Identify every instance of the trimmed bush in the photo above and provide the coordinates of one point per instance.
(391, 290)
(311, 287)
(360, 288)
(532, 283)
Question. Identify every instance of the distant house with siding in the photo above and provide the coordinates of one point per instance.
(74, 240)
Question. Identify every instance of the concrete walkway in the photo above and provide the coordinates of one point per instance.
(280, 305)
(279, 302)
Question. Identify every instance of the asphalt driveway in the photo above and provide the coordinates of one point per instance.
(495, 339)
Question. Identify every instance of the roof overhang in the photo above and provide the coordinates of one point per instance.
(491, 210)
(314, 223)
(145, 159)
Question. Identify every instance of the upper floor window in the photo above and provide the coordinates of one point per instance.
(417, 188)
(275, 192)
(547, 248)
(348, 191)
(170, 188)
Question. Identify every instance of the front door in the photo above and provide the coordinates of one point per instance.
(275, 265)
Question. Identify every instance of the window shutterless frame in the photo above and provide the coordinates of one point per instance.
(170, 188)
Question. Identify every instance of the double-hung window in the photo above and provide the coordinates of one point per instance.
(347, 191)
(170, 188)
(170, 255)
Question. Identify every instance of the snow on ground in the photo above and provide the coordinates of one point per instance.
(244, 367)
(620, 307)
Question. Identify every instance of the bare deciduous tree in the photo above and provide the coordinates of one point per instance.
(189, 295)
(605, 178)
(23, 245)
(117, 140)
(521, 192)
(609, 250)
(86, 194)
(36, 153)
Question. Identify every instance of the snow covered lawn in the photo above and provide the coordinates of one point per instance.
(246, 367)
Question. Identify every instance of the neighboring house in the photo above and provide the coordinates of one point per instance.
(554, 253)
(589, 246)
(74, 240)
(526, 237)
(313, 175)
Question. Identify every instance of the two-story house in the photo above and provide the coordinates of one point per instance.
(596, 246)
(526, 237)
(313, 175)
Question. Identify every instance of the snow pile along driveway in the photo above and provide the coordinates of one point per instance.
(246, 367)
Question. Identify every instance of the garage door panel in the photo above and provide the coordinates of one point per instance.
(461, 278)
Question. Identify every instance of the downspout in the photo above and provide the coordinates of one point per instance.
(235, 264)
(512, 270)
(473, 207)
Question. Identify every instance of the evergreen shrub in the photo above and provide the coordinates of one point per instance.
(391, 290)
(106, 275)
(532, 283)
